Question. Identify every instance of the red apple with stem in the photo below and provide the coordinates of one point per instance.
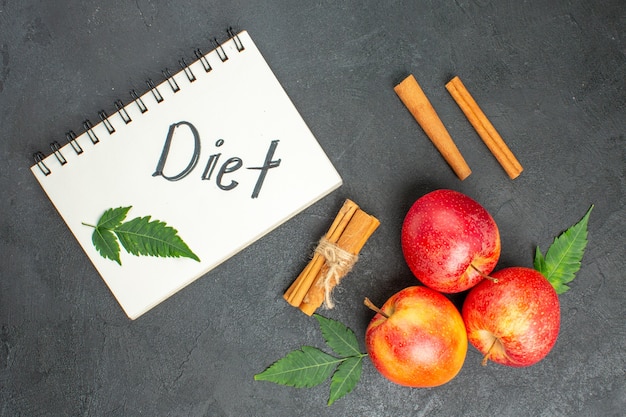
(417, 338)
(514, 321)
(449, 241)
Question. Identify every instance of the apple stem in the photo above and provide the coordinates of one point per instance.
(482, 274)
(488, 354)
(371, 306)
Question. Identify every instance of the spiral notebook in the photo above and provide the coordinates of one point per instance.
(186, 174)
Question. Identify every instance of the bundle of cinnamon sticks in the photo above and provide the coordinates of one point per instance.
(336, 253)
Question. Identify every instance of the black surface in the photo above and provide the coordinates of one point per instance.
(549, 74)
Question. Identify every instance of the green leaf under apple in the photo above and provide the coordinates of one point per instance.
(309, 366)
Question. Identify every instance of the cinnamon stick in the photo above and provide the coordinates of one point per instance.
(422, 110)
(484, 128)
(346, 237)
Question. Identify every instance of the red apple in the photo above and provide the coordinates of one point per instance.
(417, 338)
(449, 241)
(515, 320)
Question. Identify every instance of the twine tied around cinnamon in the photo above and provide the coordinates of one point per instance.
(339, 263)
(334, 256)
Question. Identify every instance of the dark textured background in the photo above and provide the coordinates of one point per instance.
(549, 74)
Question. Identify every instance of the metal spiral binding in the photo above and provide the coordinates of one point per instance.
(235, 38)
(56, 150)
(203, 60)
(89, 129)
(138, 101)
(170, 80)
(188, 72)
(155, 91)
(71, 137)
(220, 50)
(105, 120)
(39, 157)
(122, 111)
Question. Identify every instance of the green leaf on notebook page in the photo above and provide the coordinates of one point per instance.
(564, 256)
(103, 238)
(106, 244)
(113, 217)
(140, 236)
